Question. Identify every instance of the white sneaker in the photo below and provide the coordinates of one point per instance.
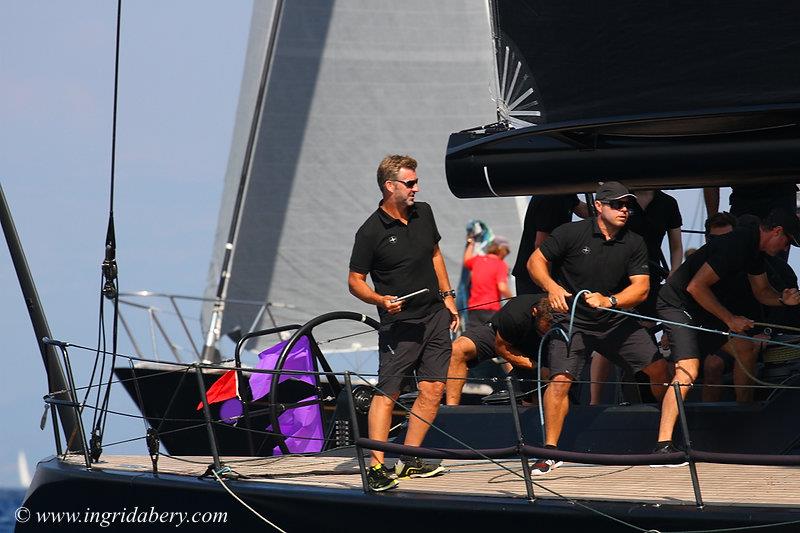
(544, 466)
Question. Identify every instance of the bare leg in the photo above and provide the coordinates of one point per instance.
(463, 350)
(425, 408)
(747, 357)
(685, 373)
(556, 406)
(713, 368)
(598, 372)
(380, 420)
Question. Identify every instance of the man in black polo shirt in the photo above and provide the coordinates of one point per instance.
(757, 200)
(514, 333)
(544, 214)
(688, 297)
(601, 256)
(398, 247)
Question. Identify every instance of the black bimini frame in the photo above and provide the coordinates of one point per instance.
(745, 145)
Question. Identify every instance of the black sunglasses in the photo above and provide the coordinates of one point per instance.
(619, 204)
(410, 183)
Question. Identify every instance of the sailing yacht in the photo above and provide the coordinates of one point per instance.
(581, 91)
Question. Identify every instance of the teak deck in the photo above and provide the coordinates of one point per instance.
(761, 486)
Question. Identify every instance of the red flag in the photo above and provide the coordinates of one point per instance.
(222, 389)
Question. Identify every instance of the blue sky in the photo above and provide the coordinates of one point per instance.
(180, 69)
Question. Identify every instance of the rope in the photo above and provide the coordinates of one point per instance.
(698, 328)
(238, 499)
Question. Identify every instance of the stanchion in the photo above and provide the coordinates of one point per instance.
(212, 439)
(526, 471)
(54, 416)
(74, 400)
(698, 498)
(348, 383)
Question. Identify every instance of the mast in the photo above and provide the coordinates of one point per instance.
(210, 351)
(52, 365)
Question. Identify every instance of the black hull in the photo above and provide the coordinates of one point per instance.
(59, 487)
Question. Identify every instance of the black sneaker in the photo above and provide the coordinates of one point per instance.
(544, 466)
(379, 478)
(415, 467)
(667, 448)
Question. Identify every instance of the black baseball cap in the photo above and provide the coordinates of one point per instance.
(787, 220)
(612, 190)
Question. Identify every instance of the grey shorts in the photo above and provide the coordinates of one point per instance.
(627, 344)
(686, 343)
(422, 345)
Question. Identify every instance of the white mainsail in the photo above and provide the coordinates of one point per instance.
(350, 81)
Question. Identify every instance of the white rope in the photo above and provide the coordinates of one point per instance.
(224, 486)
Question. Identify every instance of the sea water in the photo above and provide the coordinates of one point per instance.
(10, 500)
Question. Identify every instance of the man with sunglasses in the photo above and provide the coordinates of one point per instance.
(599, 255)
(398, 248)
(692, 296)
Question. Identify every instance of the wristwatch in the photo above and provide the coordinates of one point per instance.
(445, 294)
(613, 301)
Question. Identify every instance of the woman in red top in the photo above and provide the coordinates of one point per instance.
(488, 280)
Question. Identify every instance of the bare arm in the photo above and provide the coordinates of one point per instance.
(511, 354)
(539, 270)
(627, 298)
(540, 237)
(444, 285)
(504, 289)
(766, 294)
(357, 283)
(469, 251)
(675, 249)
(582, 210)
(700, 289)
(711, 196)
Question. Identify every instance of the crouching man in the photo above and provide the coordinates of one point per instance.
(513, 333)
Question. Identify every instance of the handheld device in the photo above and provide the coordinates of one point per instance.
(410, 295)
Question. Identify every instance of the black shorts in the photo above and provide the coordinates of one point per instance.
(421, 344)
(483, 337)
(479, 317)
(627, 344)
(687, 343)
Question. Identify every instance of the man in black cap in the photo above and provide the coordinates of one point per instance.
(514, 333)
(601, 256)
(688, 297)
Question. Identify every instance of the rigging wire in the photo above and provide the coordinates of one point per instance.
(110, 287)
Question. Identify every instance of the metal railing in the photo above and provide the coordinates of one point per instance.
(155, 319)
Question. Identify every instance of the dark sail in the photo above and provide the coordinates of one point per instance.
(655, 94)
(627, 57)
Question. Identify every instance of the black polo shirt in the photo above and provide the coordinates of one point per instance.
(399, 258)
(582, 258)
(653, 222)
(729, 255)
(545, 213)
(515, 324)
